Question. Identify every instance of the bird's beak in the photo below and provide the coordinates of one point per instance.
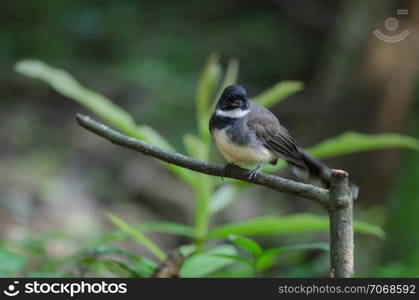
(236, 104)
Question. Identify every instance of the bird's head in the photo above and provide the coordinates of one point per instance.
(233, 97)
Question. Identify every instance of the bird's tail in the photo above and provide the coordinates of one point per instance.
(317, 171)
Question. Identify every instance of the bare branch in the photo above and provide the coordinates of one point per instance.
(307, 191)
(341, 230)
(338, 201)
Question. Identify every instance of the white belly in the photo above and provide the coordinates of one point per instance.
(240, 154)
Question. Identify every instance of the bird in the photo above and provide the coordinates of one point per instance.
(246, 132)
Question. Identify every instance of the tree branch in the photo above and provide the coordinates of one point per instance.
(341, 229)
(307, 191)
(338, 201)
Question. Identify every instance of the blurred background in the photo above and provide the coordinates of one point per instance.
(57, 180)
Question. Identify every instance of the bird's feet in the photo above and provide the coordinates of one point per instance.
(227, 170)
(253, 173)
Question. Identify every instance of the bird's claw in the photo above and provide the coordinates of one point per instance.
(253, 173)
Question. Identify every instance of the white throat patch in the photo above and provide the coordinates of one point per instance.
(234, 113)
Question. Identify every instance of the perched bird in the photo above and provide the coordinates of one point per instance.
(245, 132)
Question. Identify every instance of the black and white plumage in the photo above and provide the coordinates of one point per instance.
(245, 132)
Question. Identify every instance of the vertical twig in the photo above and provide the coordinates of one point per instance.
(341, 230)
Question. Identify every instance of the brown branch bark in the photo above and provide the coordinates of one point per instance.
(338, 201)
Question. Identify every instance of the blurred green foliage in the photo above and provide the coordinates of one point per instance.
(204, 259)
(401, 256)
(10, 263)
(259, 259)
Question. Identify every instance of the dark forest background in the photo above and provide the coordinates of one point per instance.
(57, 180)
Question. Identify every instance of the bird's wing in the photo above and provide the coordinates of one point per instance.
(273, 135)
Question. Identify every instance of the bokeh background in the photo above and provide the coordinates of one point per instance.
(57, 180)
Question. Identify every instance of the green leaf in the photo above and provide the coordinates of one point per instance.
(203, 190)
(119, 268)
(367, 228)
(223, 197)
(265, 262)
(186, 250)
(314, 246)
(231, 76)
(272, 225)
(352, 142)
(202, 185)
(195, 147)
(236, 258)
(113, 236)
(140, 266)
(278, 92)
(203, 264)
(167, 227)
(268, 258)
(248, 245)
(208, 82)
(106, 249)
(137, 235)
(10, 263)
(297, 223)
(66, 85)
(144, 267)
(150, 135)
(155, 226)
